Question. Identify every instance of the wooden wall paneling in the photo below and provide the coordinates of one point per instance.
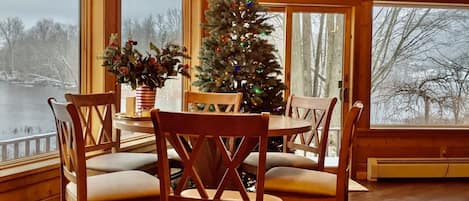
(35, 186)
(362, 60)
(423, 144)
(39, 191)
(361, 69)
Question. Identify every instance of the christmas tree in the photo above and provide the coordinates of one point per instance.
(236, 56)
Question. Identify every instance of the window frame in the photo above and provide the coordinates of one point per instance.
(418, 129)
(98, 19)
(28, 160)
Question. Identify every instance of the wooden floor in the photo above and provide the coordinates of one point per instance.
(414, 190)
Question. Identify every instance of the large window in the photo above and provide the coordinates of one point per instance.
(39, 58)
(420, 66)
(159, 22)
(317, 56)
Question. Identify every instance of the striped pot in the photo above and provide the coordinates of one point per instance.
(145, 98)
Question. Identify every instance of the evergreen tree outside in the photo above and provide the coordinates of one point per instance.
(236, 57)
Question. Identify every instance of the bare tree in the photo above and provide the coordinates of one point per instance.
(426, 89)
(168, 27)
(318, 56)
(458, 83)
(160, 29)
(402, 34)
(11, 29)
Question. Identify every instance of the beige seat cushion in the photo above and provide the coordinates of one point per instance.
(227, 195)
(173, 155)
(297, 180)
(120, 161)
(118, 186)
(278, 159)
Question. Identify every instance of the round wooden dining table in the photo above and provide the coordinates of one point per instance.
(278, 125)
(210, 166)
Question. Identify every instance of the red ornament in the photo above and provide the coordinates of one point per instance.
(233, 4)
(152, 60)
(218, 49)
(223, 39)
(123, 70)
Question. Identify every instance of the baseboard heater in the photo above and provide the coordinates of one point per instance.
(417, 168)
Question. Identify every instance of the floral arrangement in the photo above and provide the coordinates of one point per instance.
(152, 69)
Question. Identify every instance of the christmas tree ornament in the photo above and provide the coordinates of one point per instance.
(237, 68)
(249, 3)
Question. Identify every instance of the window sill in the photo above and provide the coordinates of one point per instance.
(13, 170)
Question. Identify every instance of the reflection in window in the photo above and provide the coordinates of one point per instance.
(39, 58)
(420, 66)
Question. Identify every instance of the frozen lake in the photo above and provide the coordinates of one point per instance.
(24, 110)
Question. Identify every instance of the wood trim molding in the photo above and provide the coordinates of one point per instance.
(362, 60)
(86, 31)
(332, 3)
(195, 16)
(411, 132)
(288, 45)
(187, 37)
(439, 3)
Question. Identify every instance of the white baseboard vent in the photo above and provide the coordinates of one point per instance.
(417, 168)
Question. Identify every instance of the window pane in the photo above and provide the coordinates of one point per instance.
(39, 58)
(420, 66)
(317, 62)
(160, 22)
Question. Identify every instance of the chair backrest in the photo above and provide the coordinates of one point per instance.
(317, 110)
(169, 126)
(71, 147)
(211, 102)
(348, 136)
(96, 112)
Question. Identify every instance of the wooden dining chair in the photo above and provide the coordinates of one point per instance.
(170, 126)
(292, 183)
(74, 183)
(102, 142)
(319, 112)
(213, 102)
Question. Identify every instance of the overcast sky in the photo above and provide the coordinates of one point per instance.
(66, 11)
